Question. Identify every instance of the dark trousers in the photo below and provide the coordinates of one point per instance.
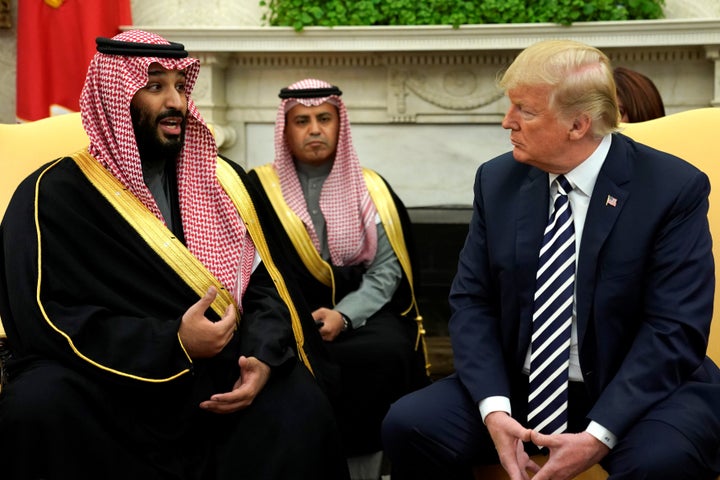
(378, 364)
(437, 433)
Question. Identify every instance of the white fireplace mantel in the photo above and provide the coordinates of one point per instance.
(438, 38)
(422, 98)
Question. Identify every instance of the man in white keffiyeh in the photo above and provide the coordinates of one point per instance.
(350, 255)
(123, 301)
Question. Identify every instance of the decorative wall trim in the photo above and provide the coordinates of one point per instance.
(624, 34)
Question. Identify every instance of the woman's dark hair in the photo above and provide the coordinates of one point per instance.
(638, 97)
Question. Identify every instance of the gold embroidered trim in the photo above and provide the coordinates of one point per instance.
(81, 157)
(154, 232)
(295, 228)
(393, 228)
(234, 187)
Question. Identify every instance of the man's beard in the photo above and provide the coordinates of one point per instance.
(154, 149)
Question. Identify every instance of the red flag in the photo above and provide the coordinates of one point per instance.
(55, 42)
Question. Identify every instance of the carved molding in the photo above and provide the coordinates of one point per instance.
(674, 54)
(624, 34)
(458, 89)
(713, 53)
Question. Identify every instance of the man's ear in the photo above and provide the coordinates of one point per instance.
(581, 125)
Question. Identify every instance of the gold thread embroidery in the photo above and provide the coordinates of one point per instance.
(239, 195)
(154, 232)
(39, 283)
(393, 228)
(294, 227)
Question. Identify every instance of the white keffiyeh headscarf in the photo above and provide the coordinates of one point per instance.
(344, 199)
(214, 232)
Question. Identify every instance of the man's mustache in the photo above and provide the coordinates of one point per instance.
(172, 113)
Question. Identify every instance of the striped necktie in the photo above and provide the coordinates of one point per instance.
(552, 319)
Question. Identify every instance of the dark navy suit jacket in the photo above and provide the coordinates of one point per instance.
(645, 282)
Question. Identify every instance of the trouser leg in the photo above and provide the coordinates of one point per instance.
(436, 433)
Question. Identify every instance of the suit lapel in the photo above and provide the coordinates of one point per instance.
(532, 216)
(608, 200)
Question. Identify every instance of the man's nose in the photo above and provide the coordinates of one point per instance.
(314, 126)
(508, 121)
(175, 99)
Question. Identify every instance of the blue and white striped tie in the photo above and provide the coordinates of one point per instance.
(552, 319)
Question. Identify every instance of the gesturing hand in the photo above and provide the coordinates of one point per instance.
(201, 337)
(254, 374)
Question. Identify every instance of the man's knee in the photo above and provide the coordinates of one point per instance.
(399, 424)
(37, 399)
(655, 450)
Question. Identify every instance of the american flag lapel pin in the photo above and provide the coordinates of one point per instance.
(610, 200)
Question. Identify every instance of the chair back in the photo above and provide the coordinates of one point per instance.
(24, 147)
(691, 135)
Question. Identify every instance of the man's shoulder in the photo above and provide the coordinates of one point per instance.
(381, 186)
(236, 166)
(54, 173)
(503, 165)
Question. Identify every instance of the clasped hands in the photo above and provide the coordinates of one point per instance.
(570, 453)
(203, 338)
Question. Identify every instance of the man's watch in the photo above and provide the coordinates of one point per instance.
(347, 325)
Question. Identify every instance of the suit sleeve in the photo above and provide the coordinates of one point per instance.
(675, 301)
(474, 322)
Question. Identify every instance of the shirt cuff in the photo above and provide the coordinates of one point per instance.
(494, 404)
(602, 434)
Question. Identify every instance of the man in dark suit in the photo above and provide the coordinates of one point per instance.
(626, 300)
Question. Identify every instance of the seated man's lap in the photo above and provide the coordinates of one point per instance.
(679, 438)
(288, 432)
(439, 423)
(55, 419)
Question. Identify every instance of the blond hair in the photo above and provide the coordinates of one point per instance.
(580, 76)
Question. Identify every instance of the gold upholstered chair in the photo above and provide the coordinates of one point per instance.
(24, 147)
(689, 135)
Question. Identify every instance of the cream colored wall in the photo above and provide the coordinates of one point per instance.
(232, 13)
(229, 13)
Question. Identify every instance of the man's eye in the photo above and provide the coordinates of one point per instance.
(181, 87)
(526, 113)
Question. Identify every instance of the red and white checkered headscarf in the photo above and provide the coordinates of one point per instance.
(344, 199)
(214, 232)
